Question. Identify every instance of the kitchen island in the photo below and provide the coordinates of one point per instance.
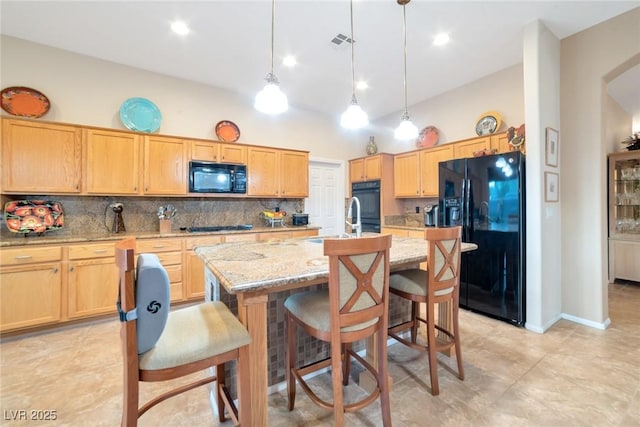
(253, 270)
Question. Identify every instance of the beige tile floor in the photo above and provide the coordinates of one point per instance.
(572, 375)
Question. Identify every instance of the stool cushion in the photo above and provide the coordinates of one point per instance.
(313, 308)
(195, 333)
(413, 281)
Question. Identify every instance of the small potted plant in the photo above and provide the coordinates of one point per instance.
(632, 142)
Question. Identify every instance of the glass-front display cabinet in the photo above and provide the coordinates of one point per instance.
(624, 216)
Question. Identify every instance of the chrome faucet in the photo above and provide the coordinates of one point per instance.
(358, 225)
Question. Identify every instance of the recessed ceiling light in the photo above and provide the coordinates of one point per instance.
(441, 39)
(362, 85)
(289, 61)
(180, 27)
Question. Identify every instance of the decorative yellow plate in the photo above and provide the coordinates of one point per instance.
(488, 123)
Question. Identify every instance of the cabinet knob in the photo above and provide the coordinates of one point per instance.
(71, 268)
(55, 270)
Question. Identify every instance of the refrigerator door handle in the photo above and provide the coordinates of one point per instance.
(466, 221)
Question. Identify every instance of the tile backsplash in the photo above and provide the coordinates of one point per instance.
(93, 215)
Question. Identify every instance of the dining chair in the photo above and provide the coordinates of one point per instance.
(159, 344)
(439, 289)
(354, 307)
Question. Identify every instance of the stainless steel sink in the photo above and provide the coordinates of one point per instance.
(339, 236)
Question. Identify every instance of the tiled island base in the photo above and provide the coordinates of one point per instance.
(309, 349)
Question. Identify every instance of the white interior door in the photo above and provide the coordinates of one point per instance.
(327, 191)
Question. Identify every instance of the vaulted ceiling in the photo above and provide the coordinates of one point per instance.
(229, 43)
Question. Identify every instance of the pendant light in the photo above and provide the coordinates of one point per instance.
(406, 130)
(271, 100)
(354, 117)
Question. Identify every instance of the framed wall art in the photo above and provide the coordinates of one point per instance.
(551, 189)
(551, 147)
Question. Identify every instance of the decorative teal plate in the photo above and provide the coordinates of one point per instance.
(140, 114)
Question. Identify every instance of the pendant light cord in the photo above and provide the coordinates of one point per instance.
(353, 68)
(273, 20)
(404, 28)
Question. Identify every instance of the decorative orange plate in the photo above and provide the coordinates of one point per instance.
(428, 137)
(24, 102)
(227, 131)
(33, 216)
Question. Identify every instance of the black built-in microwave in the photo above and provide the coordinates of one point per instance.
(209, 177)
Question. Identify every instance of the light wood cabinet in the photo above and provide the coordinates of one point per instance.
(429, 169)
(294, 174)
(280, 173)
(169, 252)
(121, 176)
(406, 174)
(165, 165)
(365, 168)
(92, 280)
(31, 287)
(41, 158)
(194, 266)
(465, 149)
(218, 152)
(500, 142)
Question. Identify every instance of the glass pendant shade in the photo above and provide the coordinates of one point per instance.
(354, 117)
(271, 100)
(406, 130)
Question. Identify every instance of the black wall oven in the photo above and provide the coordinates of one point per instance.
(368, 193)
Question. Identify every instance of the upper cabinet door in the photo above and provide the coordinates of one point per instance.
(121, 176)
(233, 153)
(465, 149)
(294, 174)
(218, 152)
(365, 169)
(262, 172)
(406, 174)
(40, 158)
(429, 160)
(165, 165)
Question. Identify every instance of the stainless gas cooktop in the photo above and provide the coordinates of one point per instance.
(210, 228)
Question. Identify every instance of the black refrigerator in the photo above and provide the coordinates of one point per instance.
(486, 196)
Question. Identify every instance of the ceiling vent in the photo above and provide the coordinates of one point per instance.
(340, 40)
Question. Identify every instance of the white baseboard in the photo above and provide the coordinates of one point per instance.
(598, 325)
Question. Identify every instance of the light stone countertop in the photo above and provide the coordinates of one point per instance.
(17, 239)
(275, 265)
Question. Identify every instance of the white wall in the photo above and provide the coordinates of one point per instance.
(455, 113)
(89, 91)
(541, 54)
(618, 124)
(586, 58)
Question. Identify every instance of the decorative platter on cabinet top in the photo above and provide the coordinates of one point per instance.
(140, 114)
(428, 137)
(33, 216)
(488, 123)
(227, 131)
(25, 102)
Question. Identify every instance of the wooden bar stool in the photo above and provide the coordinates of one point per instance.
(439, 284)
(354, 307)
(158, 345)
